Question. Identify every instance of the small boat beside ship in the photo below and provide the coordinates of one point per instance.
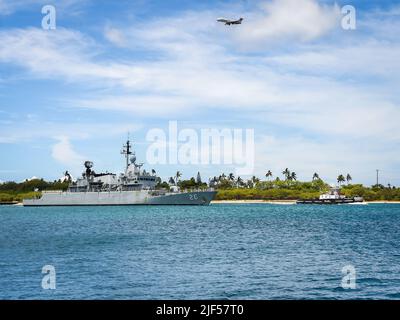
(332, 197)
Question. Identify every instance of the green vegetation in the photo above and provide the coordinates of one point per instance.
(191, 183)
(375, 193)
(369, 194)
(234, 188)
(254, 189)
(230, 187)
(13, 191)
(17, 197)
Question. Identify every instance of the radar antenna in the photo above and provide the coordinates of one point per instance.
(126, 150)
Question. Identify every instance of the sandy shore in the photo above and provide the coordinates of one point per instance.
(254, 201)
(290, 201)
(10, 203)
(383, 201)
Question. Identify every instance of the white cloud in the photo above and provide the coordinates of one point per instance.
(18, 131)
(8, 7)
(279, 20)
(327, 90)
(70, 7)
(196, 73)
(64, 153)
(328, 158)
(147, 106)
(115, 36)
(31, 178)
(344, 60)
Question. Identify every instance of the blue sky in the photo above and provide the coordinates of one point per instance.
(319, 98)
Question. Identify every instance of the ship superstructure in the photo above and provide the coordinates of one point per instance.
(134, 186)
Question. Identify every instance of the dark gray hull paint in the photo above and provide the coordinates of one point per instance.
(123, 198)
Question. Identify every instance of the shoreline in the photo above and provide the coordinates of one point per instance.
(282, 202)
(287, 202)
(253, 201)
(10, 203)
(383, 201)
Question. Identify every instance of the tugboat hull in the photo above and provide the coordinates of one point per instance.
(329, 201)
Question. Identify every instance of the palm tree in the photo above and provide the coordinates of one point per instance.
(348, 178)
(153, 172)
(268, 174)
(212, 181)
(231, 177)
(254, 180)
(286, 173)
(171, 181)
(340, 179)
(67, 176)
(293, 176)
(177, 176)
(315, 176)
(239, 181)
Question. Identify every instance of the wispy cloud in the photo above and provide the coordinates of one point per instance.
(344, 88)
(115, 36)
(8, 7)
(22, 131)
(64, 153)
(282, 20)
(328, 158)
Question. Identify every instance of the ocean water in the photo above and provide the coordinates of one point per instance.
(224, 251)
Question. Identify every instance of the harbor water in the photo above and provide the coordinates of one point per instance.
(222, 251)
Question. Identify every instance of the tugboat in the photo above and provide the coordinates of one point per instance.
(133, 187)
(331, 197)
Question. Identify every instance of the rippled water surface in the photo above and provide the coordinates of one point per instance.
(224, 251)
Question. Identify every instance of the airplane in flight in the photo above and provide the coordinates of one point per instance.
(229, 22)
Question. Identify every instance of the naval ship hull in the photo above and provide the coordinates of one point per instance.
(118, 198)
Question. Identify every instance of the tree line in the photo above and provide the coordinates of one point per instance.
(230, 187)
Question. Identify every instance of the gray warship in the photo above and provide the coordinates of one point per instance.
(133, 187)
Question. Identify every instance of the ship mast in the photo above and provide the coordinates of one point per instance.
(126, 150)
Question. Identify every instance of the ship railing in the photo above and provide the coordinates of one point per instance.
(164, 191)
(195, 190)
(53, 191)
